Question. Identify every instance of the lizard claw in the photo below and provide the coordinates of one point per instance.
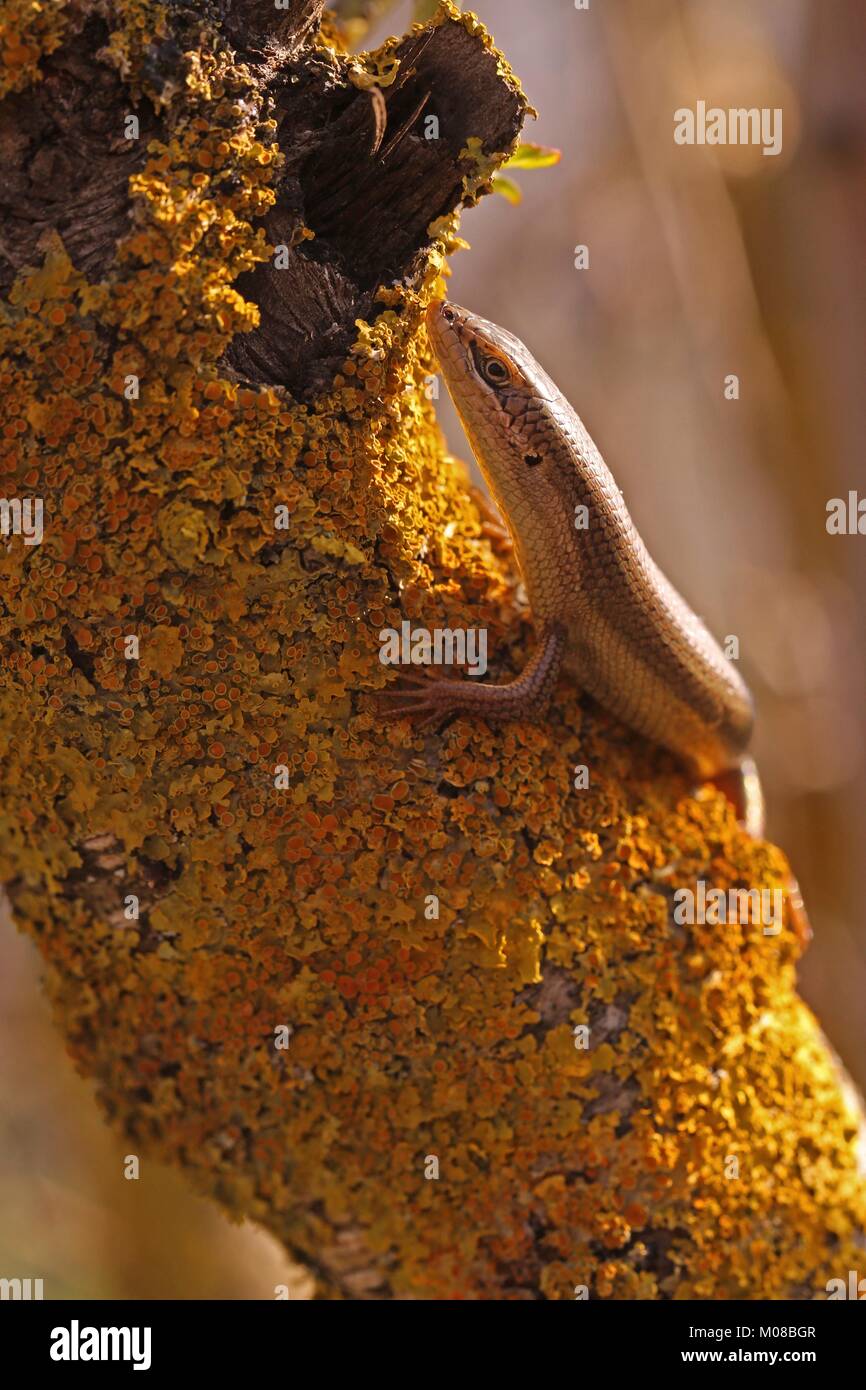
(426, 695)
(408, 676)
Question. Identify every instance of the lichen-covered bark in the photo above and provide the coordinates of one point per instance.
(413, 1036)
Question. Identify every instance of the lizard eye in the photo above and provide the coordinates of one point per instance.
(494, 371)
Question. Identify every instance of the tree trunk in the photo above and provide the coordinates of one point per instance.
(508, 1071)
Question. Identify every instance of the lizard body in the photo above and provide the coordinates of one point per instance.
(602, 608)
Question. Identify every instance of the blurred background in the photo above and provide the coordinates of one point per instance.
(703, 263)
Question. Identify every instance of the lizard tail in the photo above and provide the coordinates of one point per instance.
(742, 786)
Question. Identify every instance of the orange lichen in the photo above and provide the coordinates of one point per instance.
(29, 30)
(430, 914)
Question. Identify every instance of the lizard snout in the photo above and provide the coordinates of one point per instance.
(439, 312)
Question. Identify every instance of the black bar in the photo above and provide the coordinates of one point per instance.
(262, 1339)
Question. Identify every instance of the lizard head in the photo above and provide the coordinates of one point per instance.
(468, 345)
(480, 360)
(512, 413)
(508, 405)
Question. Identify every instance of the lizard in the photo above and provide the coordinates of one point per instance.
(603, 610)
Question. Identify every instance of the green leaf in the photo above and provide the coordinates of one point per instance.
(507, 187)
(531, 156)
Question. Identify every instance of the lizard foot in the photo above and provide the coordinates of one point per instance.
(526, 697)
(423, 695)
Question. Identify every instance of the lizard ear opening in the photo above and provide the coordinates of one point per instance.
(531, 460)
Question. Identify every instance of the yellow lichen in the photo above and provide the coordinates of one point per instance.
(29, 31)
(304, 899)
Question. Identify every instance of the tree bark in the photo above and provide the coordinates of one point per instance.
(206, 827)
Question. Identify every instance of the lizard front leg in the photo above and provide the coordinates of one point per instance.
(526, 697)
(493, 528)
